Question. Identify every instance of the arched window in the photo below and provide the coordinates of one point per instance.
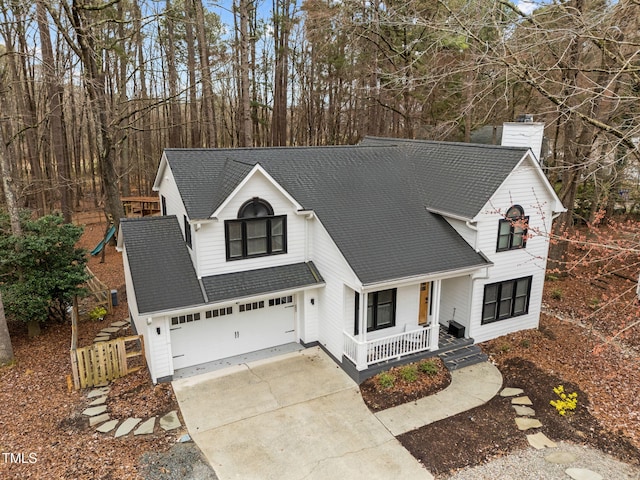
(512, 230)
(256, 207)
(256, 232)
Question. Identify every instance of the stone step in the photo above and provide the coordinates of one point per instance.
(98, 392)
(146, 427)
(98, 401)
(463, 357)
(93, 411)
(466, 362)
(126, 426)
(170, 421)
(109, 330)
(448, 343)
(459, 352)
(107, 426)
(98, 419)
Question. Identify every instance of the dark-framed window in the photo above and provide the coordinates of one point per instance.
(163, 205)
(512, 230)
(256, 233)
(381, 310)
(506, 299)
(187, 231)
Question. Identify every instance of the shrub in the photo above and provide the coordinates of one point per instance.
(409, 373)
(98, 313)
(505, 347)
(566, 403)
(526, 343)
(386, 380)
(557, 294)
(428, 367)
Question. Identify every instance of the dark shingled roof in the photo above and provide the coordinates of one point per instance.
(371, 198)
(161, 269)
(457, 178)
(261, 281)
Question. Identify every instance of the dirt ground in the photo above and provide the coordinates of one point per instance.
(42, 425)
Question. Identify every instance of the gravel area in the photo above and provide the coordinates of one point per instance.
(184, 461)
(530, 464)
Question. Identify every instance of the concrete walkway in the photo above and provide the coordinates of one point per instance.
(470, 387)
(300, 416)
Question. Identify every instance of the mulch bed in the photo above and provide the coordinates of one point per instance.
(489, 431)
(377, 397)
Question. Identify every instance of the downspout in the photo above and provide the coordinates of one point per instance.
(308, 216)
(473, 286)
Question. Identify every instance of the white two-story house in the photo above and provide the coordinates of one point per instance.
(366, 250)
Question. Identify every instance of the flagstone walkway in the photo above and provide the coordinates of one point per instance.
(97, 408)
(522, 405)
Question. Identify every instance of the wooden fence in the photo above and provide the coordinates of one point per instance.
(100, 291)
(105, 361)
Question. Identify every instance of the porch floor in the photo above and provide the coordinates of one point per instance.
(448, 342)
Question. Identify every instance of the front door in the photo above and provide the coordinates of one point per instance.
(424, 303)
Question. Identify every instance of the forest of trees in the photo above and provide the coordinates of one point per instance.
(92, 91)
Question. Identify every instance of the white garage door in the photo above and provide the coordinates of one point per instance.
(232, 330)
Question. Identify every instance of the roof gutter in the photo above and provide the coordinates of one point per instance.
(400, 282)
(449, 214)
(234, 300)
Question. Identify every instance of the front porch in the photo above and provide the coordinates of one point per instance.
(383, 353)
(370, 352)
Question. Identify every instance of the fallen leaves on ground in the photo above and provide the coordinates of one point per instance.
(40, 416)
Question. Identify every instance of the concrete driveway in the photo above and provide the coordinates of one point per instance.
(296, 416)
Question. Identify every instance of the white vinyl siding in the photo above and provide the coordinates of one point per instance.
(308, 315)
(525, 188)
(157, 350)
(454, 300)
(210, 238)
(159, 347)
(463, 230)
(331, 299)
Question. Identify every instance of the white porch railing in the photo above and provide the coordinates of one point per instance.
(363, 354)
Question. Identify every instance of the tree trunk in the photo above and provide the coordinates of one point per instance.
(194, 125)
(98, 106)
(6, 350)
(175, 128)
(208, 100)
(281, 28)
(54, 102)
(246, 129)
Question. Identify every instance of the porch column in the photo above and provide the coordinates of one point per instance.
(435, 317)
(362, 317)
(362, 328)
